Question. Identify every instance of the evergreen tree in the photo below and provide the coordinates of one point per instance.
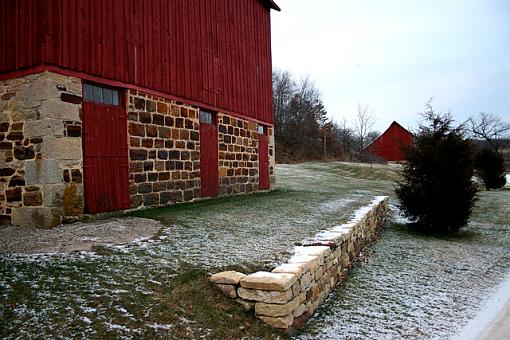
(436, 190)
(490, 167)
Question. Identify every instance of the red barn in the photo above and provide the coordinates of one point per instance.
(388, 146)
(123, 104)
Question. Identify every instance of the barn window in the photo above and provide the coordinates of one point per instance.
(101, 95)
(206, 117)
(261, 129)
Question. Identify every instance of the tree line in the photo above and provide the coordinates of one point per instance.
(303, 130)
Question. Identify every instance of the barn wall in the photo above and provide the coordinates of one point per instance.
(41, 178)
(215, 52)
(388, 146)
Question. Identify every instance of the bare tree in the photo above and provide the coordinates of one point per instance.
(489, 128)
(365, 120)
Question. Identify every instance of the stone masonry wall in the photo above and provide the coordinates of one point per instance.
(164, 151)
(238, 155)
(289, 295)
(40, 150)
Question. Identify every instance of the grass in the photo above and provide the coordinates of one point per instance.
(159, 288)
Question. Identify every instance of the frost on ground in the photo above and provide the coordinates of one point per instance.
(412, 285)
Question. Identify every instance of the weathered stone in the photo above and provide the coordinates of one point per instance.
(320, 251)
(62, 148)
(44, 127)
(53, 195)
(36, 217)
(270, 309)
(73, 200)
(7, 171)
(228, 290)
(228, 277)
(269, 281)
(13, 195)
(269, 296)
(311, 263)
(42, 171)
(291, 268)
(300, 310)
(17, 181)
(247, 305)
(280, 322)
(32, 198)
(22, 153)
(55, 108)
(306, 281)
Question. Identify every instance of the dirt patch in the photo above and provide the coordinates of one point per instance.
(77, 236)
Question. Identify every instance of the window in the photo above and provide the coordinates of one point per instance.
(101, 95)
(206, 117)
(261, 129)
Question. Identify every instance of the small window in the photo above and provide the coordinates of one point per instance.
(101, 95)
(261, 129)
(206, 117)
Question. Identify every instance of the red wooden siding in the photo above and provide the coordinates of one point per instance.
(105, 160)
(209, 158)
(216, 52)
(263, 162)
(388, 146)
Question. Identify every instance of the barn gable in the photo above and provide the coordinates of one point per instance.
(389, 144)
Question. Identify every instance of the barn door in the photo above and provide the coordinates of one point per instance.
(105, 150)
(208, 154)
(263, 159)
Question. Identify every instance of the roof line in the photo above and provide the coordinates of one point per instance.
(394, 122)
(273, 5)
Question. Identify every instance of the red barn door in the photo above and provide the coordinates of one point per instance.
(263, 159)
(208, 154)
(105, 150)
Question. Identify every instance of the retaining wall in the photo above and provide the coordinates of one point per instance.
(289, 295)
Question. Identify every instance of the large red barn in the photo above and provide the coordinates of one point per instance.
(389, 145)
(122, 104)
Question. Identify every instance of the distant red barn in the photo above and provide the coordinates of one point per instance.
(389, 145)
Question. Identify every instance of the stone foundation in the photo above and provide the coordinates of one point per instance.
(41, 161)
(289, 295)
(40, 150)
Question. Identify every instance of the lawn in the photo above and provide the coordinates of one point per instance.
(158, 288)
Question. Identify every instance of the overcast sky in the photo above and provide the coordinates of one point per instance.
(393, 55)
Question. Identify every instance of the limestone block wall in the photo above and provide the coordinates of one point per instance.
(289, 295)
(40, 150)
(164, 150)
(237, 155)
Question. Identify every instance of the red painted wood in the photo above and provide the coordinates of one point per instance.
(389, 145)
(105, 158)
(214, 52)
(263, 162)
(209, 159)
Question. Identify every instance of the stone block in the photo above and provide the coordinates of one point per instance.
(63, 148)
(270, 309)
(55, 108)
(300, 310)
(43, 171)
(228, 277)
(291, 268)
(44, 127)
(306, 281)
(32, 198)
(268, 281)
(36, 217)
(281, 322)
(73, 200)
(247, 305)
(270, 296)
(53, 195)
(229, 290)
(308, 262)
(320, 251)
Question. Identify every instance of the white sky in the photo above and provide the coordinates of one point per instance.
(393, 55)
